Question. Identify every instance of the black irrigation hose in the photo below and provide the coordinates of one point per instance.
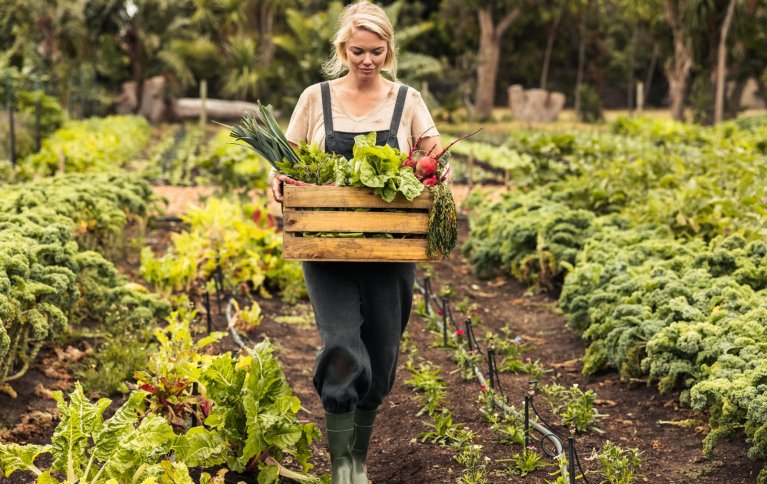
(497, 375)
(450, 317)
(553, 435)
(472, 338)
(578, 461)
(548, 425)
(218, 280)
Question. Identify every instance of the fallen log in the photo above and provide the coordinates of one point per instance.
(190, 108)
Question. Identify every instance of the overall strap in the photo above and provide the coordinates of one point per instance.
(397, 116)
(327, 110)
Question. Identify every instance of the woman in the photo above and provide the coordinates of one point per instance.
(361, 309)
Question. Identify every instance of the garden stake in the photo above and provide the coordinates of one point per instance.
(468, 334)
(196, 405)
(426, 292)
(527, 421)
(544, 429)
(495, 371)
(444, 321)
(571, 459)
(218, 277)
(490, 352)
(207, 311)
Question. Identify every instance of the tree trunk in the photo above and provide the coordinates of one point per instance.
(651, 69)
(131, 44)
(631, 88)
(581, 65)
(678, 69)
(266, 21)
(487, 58)
(550, 45)
(721, 64)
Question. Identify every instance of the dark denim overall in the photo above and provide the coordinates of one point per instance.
(361, 308)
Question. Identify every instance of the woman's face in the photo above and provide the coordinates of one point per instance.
(366, 53)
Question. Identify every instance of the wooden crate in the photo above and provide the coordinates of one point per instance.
(330, 209)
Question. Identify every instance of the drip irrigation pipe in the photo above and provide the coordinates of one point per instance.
(546, 433)
(230, 324)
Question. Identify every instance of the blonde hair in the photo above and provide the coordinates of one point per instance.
(367, 16)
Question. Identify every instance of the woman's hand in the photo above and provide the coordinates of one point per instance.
(276, 183)
(278, 180)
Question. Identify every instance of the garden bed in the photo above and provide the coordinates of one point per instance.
(670, 453)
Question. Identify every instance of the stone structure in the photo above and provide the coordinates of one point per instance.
(535, 105)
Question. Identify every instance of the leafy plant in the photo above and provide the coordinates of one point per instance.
(444, 432)
(46, 282)
(427, 381)
(467, 360)
(174, 369)
(525, 462)
(378, 167)
(474, 464)
(85, 448)
(510, 426)
(313, 166)
(617, 465)
(112, 364)
(573, 405)
(255, 411)
(263, 134)
(92, 145)
(222, 238)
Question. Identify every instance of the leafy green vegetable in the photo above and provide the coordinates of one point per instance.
(313, 166)
(251, 422)
(378, 167)
(264, 136)
(221, 234)
(15, 457)
(255, 409)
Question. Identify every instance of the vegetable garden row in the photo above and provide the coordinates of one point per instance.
(652, 233)
(657, 235)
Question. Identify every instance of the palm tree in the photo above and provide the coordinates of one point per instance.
(241, 67)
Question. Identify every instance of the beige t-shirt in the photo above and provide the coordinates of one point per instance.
(307, 123)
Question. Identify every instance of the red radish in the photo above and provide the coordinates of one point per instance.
(426, 167)
(430, 182)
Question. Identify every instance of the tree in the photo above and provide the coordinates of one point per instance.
(678, 67)
(559, 7)
(583, 8)
(721, 64)
(488, 55)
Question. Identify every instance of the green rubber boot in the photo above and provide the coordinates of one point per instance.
(363, 428)
(340, 428)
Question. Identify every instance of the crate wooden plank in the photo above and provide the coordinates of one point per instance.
(354, 250)
(332, 221)
(347, 197)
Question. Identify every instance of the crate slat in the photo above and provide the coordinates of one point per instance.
(355, 250)
(327, 209)
(347, 197)
(375, 222)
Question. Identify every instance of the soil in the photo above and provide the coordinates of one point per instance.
(634, 411)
